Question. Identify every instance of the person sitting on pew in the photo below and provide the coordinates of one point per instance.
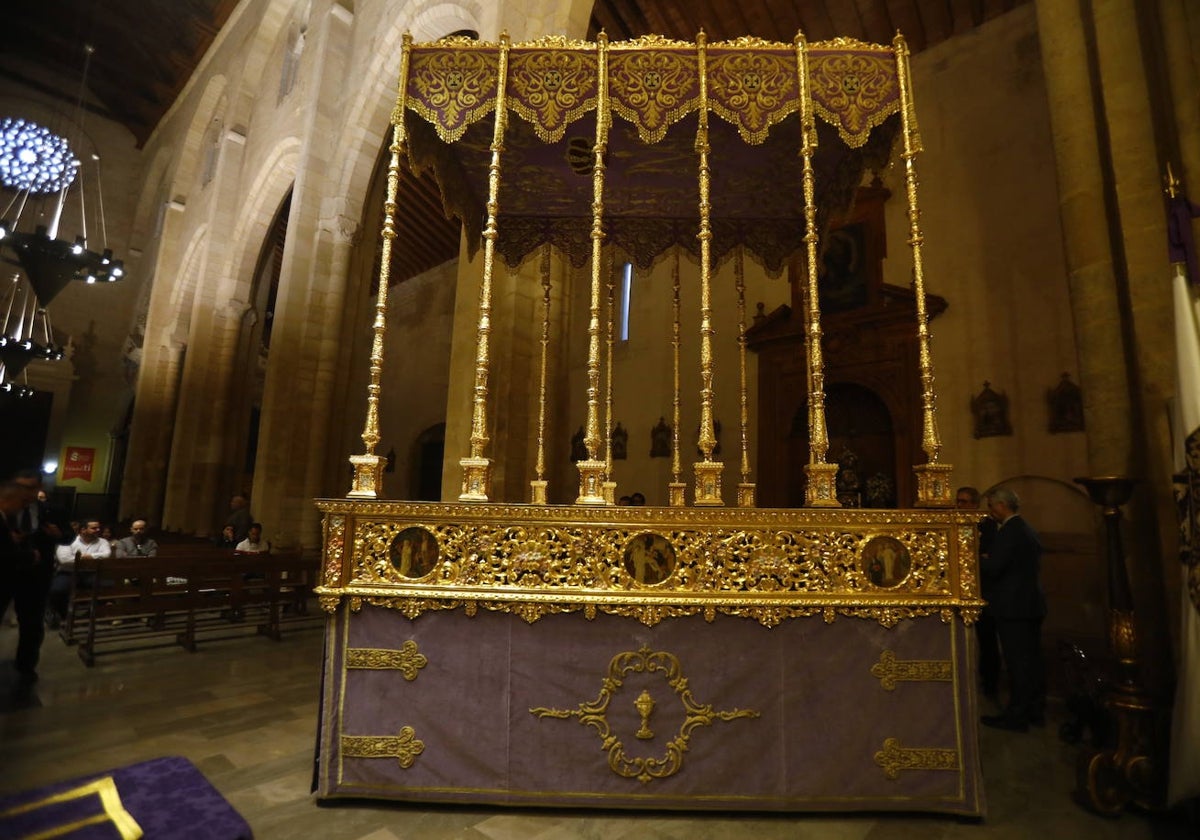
(137, 544)
(86, 544)
(226, 539)
(254, 543)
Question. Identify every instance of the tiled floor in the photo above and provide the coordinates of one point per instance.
(244, 711)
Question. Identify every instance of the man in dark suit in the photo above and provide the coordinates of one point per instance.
(28, 569)
(1013, 590)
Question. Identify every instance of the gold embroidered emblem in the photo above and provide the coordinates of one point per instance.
(404, 747)
(889, 670)
(595, 714)
(407, 660)
(893, 758)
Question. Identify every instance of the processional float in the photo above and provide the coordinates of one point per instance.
(685, 656)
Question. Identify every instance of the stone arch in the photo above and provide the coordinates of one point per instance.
(276, 175)
(191, 154)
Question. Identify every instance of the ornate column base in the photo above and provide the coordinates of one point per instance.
(477, 477)
(368, 477)
(537, 492)
(610, 492)
(591, 482)
(822, 481)
(675, 494)
(1109, 780)
(934, 485)
(708, 483)
(746, 495)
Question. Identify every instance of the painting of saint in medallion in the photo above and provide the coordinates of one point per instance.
(649, 558)
(886, 561)
(414, 552)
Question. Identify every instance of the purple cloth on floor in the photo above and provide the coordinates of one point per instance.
(168, 797)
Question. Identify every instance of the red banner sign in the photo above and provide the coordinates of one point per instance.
(78, 462)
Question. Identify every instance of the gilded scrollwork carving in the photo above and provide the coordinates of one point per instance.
(768, 565)
(889, 670)
(894, 758)
(404, 746)
(595, 714)
(408, 660)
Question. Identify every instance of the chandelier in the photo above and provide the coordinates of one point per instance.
(39, 169)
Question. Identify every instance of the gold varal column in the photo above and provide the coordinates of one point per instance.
(933, 478)
(593, 471)
(821, 475)
(745, 489)
(537, 487)
(675, 489)
(708, 471)
(368, 467)
(477, 469)
(610, 486)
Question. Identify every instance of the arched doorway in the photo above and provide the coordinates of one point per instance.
(429, 452)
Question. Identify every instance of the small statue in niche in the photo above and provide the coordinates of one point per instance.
(848, 484)
(579, 451)
(991, 413)
(716, 436)
(660, 440)
(390, 458)
(1066, 406)
(619, 443)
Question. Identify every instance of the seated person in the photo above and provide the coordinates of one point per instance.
(254, 543)
(137, 544)
(226, 539)
(87, 544)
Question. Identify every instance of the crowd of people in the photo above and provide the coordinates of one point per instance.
(39, 548)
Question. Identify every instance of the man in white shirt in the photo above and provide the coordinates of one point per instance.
(254, 543)
(87, 544)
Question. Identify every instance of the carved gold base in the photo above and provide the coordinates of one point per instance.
(592, 475)
(537, 492)
(746, 495)
(675, 494)
(934, 487)
(822, 485)
(477, 476)
(368, 477)
(708, 483)
(1132, 773)
(610, 492)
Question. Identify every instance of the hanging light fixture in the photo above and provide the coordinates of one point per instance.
(40, 169)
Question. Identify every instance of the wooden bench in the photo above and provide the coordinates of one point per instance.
(183, 595)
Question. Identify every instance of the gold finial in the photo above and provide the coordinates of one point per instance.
(1172, 182)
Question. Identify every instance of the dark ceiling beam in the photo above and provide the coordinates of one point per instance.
(935, 21)
(961, 15)
(877, 26)
(907, 20)
(846, 21)
(816, 22)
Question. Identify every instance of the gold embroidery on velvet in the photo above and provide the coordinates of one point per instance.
(452, 88)
(551, 90)
(653, 89)
(407, 660)
(752, 90)
(893, 758)
(404, 747)
(889, 670)
(595, 714)
(111, 810)
(854, 91)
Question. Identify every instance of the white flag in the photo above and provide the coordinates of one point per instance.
(1185, 728)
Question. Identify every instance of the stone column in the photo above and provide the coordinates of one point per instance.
(1110, 190)
(306, 336)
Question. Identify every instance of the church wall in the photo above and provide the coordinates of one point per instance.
(993, 249)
